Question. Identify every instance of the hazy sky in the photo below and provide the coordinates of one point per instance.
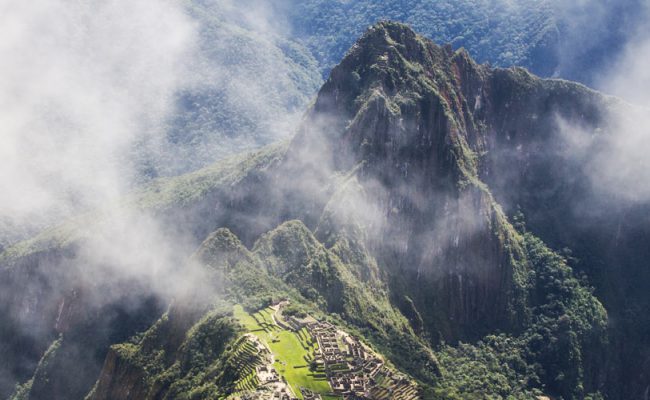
(80, 81)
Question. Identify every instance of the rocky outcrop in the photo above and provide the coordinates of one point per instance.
(119, 379)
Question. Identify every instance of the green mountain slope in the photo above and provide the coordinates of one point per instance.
(244, 280)
(250, 85)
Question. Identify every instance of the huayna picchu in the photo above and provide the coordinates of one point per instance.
(409, 242)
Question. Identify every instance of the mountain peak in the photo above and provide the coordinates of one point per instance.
(388, 90)
(388, 31)
(388, 45)
(392, 58)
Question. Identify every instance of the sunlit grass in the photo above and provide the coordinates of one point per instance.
(291, 350)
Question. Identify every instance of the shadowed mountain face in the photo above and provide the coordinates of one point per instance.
(412, 207)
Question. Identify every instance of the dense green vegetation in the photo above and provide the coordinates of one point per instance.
(251, 86)
(503, 33)
(198, 363)
(548, 355)
(493, 366)
(40, 375)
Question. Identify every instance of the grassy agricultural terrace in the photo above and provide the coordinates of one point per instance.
(292, 351)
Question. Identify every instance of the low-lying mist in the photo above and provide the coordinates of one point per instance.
(80, 84)
(617, 154)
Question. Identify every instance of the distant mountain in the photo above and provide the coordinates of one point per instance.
(524, 33)
(251, 85)
(548, 37)
(414, 208)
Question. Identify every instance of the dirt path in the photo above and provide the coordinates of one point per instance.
(278, 309)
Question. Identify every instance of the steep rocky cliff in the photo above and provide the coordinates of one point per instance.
(394, 211)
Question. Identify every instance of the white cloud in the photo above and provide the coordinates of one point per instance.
(80, 81)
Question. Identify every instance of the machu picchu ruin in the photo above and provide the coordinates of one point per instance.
(305, 358)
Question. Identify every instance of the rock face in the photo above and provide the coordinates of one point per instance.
(405, 121)
(119, 370)
(394, 208)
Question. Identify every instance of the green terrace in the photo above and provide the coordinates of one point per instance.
(293, 352)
